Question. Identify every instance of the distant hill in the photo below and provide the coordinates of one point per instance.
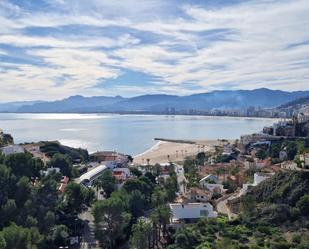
(14, 106)
(295, 104)
(239, 99)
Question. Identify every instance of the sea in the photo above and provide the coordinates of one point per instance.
(129, 134)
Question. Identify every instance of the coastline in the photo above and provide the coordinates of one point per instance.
(171, 151)
(152, 148)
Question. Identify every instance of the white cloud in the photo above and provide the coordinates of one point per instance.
(246, 45)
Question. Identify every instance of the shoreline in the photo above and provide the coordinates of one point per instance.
(152, 148)
(172, 151)
(147, 114)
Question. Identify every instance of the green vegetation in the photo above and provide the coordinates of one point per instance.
(270, 210)
(118, 219)
(33, 214)
(190, 167)
(5, 139)
(52, 148)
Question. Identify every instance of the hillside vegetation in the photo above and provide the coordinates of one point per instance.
(273, 215)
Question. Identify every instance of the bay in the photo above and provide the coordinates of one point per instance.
(131, 134)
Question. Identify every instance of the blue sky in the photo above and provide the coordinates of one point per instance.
(51, 49)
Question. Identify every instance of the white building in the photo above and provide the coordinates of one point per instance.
(303, 117)
(213, 187)
(306, 160)
(260, 177)
(92, 174)
(12, 149)
(289, 165)
(49, 170)
(191, 211)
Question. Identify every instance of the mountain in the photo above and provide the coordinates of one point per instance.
(72, 104)
(14, 106)
(295, 105)
(239, 99)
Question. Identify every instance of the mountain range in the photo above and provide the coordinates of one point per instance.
(228, 99)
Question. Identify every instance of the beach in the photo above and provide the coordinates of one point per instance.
(165, 151)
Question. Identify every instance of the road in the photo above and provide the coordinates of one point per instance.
(180, 178)
(88, 240)
(223, 208)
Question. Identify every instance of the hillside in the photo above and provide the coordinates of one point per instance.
(273, 215)
(295, 105)
(277, 200)
(240, 99)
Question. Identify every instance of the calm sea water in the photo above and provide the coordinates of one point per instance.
(125, 133)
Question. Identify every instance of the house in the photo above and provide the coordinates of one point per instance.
(111, 159)
(165, 168)
(213, 187)
(209, 179)
(191, 212)
(227, 150)
(289, 165)
(12, 149)
(102, 156)
(121, 174)
(260, 177)
(49, 170)
(63, 183)
(199, 195)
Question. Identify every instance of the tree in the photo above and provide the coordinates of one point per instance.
(261, 154)
(275, 150)
(139, 184)
(19, 237)
(8, 212)
(74, 197)
(97, 183)
(110, 220)
(23, 191)
(5, 183)
(151, 177)
(158, 197)
(22, 164)
(60, 235)
(291, 150)
(201, 157)
(108, 182)
(136, 172)
(63, 163)
(303, 204)
(137, 203)
(141, 235)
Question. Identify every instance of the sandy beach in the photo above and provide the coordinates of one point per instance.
(164, 151)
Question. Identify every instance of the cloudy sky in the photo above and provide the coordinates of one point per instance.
(51, 49)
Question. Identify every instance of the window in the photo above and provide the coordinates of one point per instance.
(203, 212)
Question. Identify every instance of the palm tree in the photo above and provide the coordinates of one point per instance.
(154, 217)
(141, 234)
(98, 185)
(148, 160)
(165, 215)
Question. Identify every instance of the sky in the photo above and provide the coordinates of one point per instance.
(52, 49)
